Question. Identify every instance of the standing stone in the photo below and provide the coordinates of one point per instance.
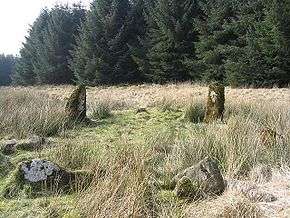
(76, 106)
(200, 180)
(215, 103)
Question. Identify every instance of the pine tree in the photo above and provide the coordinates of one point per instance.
(218, 36)
(102, 54)
(264, 61)
(172, 39)
(7, 63)
(24, 69)
(45, 54)
(58, 40)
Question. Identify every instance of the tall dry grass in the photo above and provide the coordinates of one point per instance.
(29, 112)
(130, 176)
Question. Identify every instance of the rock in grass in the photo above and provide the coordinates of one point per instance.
(9, 147)
(32, 143)
(43, 177)
(142, 110)
(200, 180)
(215, 103)
(76, 106)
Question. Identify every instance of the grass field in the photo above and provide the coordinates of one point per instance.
(138, 150)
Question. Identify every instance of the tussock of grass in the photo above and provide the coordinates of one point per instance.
(195, 112)
(24, 112)
(100, 110)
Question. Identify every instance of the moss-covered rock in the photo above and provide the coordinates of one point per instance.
(41, 177)
(215, 103)
(185, 188)
(200, 180)
(76, 107)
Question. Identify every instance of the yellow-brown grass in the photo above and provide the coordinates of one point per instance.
(128, 169)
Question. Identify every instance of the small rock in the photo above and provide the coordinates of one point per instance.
(142, 110)
(9, 147)
(200, 180)
(31, 144)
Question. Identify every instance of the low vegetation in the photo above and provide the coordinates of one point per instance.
(134, 155)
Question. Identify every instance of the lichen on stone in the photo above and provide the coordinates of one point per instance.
(215, 103)
(38, 170)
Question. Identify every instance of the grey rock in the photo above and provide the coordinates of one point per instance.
(32, 143)
(205, 179)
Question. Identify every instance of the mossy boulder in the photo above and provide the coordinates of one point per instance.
(200, 180)
(76, 107)
(42, 177)
(215, 103)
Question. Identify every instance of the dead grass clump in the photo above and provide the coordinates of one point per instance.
(227, 206)
(100, 110)
(123, 190)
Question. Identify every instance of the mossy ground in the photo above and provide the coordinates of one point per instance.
(93, 142)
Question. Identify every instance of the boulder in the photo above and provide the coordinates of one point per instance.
(200, 180)
(44, 177)
(76, 105)
(215, 103)
(32, 143)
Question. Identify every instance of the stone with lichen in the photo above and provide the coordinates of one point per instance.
(76, 105)
(200, 180)
(215, 103)
(44, 177)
